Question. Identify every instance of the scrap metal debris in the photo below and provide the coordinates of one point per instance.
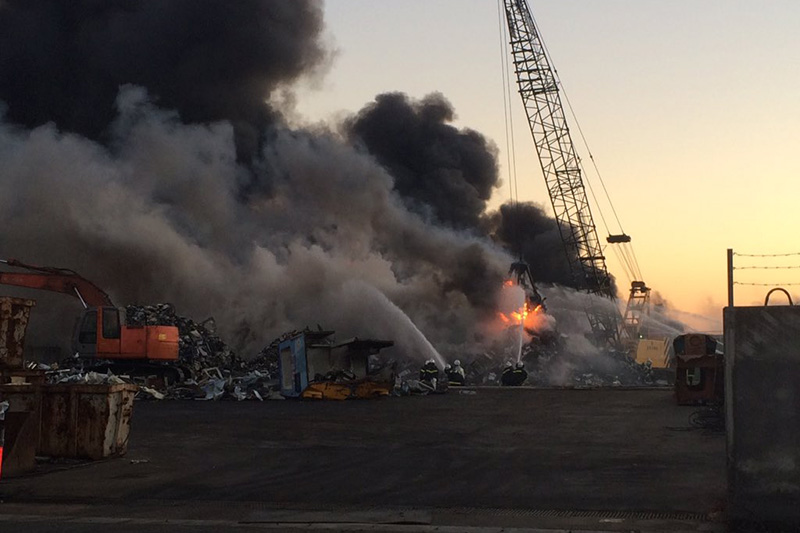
(210, 384)
(81, 377)
(199, 345)
(216, 373)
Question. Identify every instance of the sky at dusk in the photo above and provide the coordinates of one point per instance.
(690, 110)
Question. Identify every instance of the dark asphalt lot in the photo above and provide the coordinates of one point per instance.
(500, 457)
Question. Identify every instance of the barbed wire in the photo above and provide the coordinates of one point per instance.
(766, 284)
(757, 267)
(766, 267)
(767, 255)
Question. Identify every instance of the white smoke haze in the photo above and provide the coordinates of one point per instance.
(568, 307)
(578, 355)
(158, 217)
(693, 322)
(322, 238)
(361, 300)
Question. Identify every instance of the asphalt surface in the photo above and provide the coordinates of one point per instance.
(528, 459)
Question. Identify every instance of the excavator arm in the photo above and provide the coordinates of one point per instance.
(56, 280)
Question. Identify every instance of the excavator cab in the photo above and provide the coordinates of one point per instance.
(99, 332)
(84, 341)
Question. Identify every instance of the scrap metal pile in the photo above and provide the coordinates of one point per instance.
(215, 372)
(199, 345)
(212, 369)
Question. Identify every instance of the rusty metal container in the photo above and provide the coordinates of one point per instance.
(85, 421)
(21, 427)
(3, 409)
(21, 376)
(14, 315)
(699, 370)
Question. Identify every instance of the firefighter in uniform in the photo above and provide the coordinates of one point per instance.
(514, 376)
(520, 374)
(507, 375)
(429, 373)
(456, 376)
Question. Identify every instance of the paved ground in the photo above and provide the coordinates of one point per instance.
(524, 458)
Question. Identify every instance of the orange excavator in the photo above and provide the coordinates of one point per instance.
(100, 335)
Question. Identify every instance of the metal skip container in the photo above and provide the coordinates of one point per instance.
(21, 427)
(21, 422)
(85, 421)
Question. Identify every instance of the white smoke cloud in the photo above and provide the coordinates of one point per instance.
(159, 216)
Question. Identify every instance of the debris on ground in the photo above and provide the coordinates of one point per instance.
(80, 377)
(216, 373)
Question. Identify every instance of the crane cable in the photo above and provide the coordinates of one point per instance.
(628, 253)
(627, 256)
(507, 115)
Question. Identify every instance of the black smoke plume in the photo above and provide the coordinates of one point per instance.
(448, 175)
(440, 171)
(527, 232)
(65, 60)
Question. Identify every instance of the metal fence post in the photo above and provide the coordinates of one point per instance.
(730, 277)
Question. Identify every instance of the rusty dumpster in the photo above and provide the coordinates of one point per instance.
(21, 427)
(85, 421)
(699, 370)
(3, 409)
(14, 315)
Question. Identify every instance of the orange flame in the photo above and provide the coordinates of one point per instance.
(524, 316)
(520, 316)
(516, 317)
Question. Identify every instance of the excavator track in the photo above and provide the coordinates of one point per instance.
(169, 373)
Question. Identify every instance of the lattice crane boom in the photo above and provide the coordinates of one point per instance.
(538, 87)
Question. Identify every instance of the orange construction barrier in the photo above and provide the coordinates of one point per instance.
(3, 407)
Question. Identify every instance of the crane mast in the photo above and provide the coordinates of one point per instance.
(538, 87)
